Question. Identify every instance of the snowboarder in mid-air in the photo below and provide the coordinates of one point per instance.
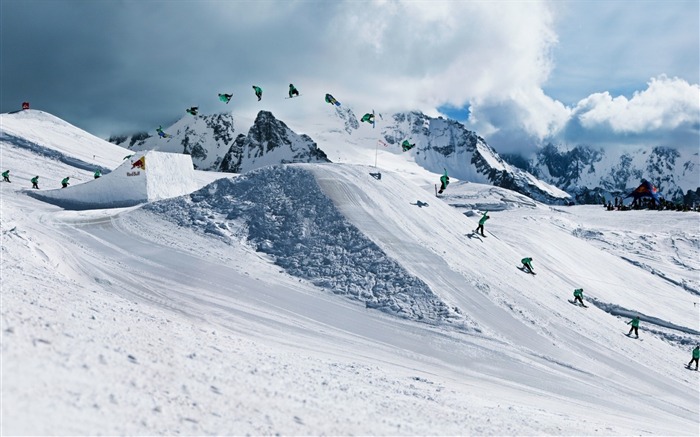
(35, 182)
(293, 91)
(258, 92)
(481, 223)
(696, 357)
(578, 296)
(6, 176)
(161, 133)
(527, 264)
(193, 110)
(330, 99)
(64, 182)
(368, 117)
(444, 182)
(225, 98)
(406, 146)
(635, 326)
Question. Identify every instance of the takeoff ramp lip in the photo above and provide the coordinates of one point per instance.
(145, 177)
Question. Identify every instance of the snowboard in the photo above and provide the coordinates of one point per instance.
(522, 269)
(690, 368)
(635, 338)
(293, 96)
(573, 302)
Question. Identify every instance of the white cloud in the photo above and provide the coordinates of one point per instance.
(666, 104)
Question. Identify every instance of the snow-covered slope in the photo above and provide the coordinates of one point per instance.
(274, 303)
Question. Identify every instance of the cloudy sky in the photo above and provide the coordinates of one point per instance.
(519, 73)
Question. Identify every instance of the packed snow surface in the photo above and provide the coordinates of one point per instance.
(344, 299)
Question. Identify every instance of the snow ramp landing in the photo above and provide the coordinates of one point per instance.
(283, 212)
(144, 177)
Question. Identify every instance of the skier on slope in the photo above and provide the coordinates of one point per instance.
(578, 296)
(293, 91)
(527, 264)
(6, 176)
(258, 92)
(406, 146)
(225, 97)
(368, 117)
(481, 223)
(635, 326)
(64, 182)
(35, 182)
(696, 357)
(444, 182)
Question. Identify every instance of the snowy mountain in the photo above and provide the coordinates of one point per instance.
(440, 144)
(447, 144)
(269, 141)
(584, 169)
(314, 299)
(213, 144)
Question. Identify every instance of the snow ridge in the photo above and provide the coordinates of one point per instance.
(282, 212)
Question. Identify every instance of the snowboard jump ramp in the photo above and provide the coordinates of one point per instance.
(144, 177)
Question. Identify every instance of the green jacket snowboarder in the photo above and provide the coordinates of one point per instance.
(293, 91)
(406, 146)
(64, 182)
(225, 98)
(193, 110)
(635, 326)
(527, 263)
(35, 182)
(444, 182)
(6, 176)
(258, 92)
(578, 296)
(368, 117)
(98, 173)
(696, 357)
(481, 223)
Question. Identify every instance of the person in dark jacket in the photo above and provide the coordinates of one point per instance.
(35, 182)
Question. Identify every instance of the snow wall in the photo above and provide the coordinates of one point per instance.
(144, 177)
